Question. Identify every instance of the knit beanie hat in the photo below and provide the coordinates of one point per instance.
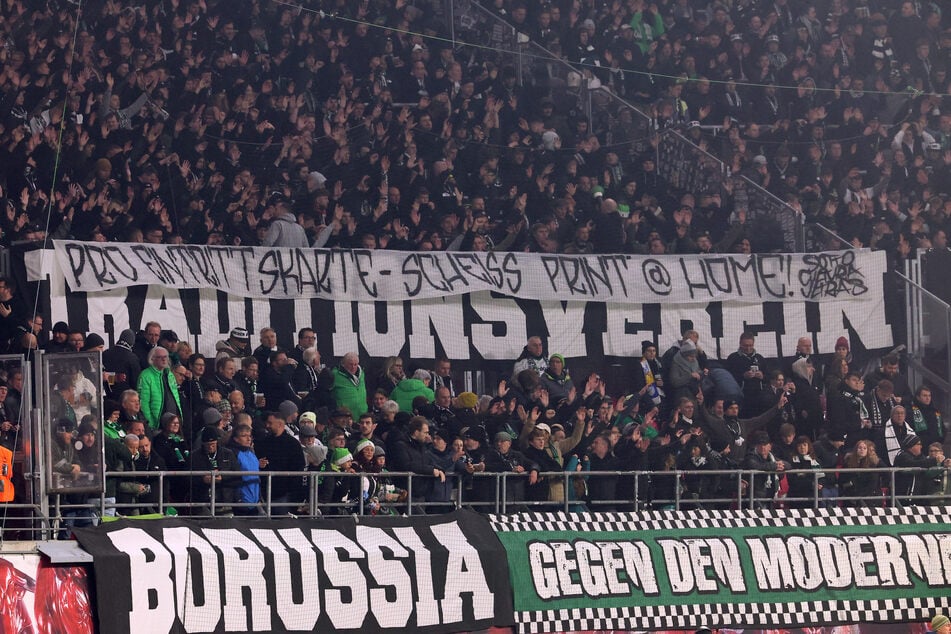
(341, 456)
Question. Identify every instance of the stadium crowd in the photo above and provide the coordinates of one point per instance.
(363, 125)
(712, 434)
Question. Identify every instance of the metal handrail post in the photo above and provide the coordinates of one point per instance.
(214, 494)
(567, 484)
(270, 480)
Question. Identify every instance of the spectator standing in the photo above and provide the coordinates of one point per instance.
(411, 454)
(57, 342)
(442, 376)
(648, 374)
(223, 378)
(407, 390)
(532, 358)
(339, 486)
(120, 364)
(219, 462)
(723, 425)
(889, 371)
(804, 476)
(157, 388)
(556, 379)
(847, 412)
(926, 418)
(279, 451)
(863, 484)
(237, 345)
(146, 462)
(170, 443)
(894, 433)
(749, 368)
(284, 230)
(306, 339)
(276, 381)
(765, 486)
(147, 339)
(911, 484)
(248, 381)
(268, 339)
(603, 489)
(249, 491)
(349, 385)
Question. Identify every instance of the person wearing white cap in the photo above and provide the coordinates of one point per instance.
(237, 345)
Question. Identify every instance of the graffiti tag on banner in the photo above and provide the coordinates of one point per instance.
(376, 275)
(660, 570)
(433, 575)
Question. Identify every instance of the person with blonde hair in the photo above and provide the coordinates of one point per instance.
(862, 486)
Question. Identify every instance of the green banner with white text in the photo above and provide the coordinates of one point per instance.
(769, 568)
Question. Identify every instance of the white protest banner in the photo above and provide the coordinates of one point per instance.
(372, 275)
(469, 328)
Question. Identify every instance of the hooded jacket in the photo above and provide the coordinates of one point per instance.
(407, 390)
(285, 232)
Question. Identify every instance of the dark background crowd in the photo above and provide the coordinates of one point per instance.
(366, 125)
(376, 125)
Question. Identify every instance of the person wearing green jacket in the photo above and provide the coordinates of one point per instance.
(408, 389)
(157, 388)
(350, 385)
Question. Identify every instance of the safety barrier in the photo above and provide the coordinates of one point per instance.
(496, 493)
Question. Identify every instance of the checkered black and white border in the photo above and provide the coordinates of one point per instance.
(680, 520)
(773, 615)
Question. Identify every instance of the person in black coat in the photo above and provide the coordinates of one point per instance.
(847, 413)
(925, 417)
(410, 453)
(276, 382)
(749, 369)
(149, 461)
(172, 446)
(602, 489)
(145, 341)
(223, 377)
(503, 459)
(761, 458)
(909, 484)
(122, 363)
(219, 459)
(279, 451)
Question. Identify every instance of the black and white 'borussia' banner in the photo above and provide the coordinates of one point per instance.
(427, 574)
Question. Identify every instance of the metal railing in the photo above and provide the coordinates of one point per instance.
(928, 327)
(624, 128)
(497, 40)
(505, 493)
(818, 238)
(763, 206)
(687, 167)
